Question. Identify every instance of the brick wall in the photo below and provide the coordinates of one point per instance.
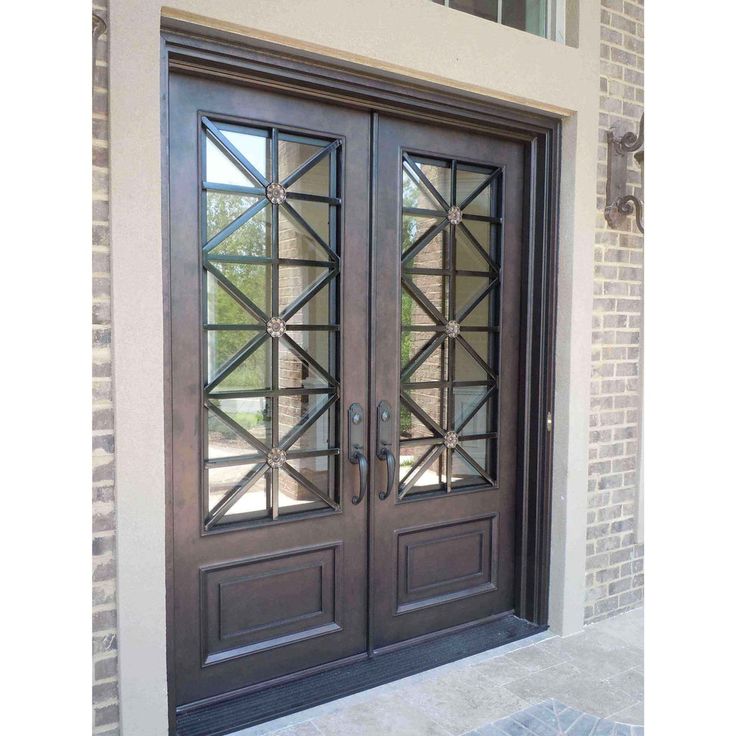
(104, 613)
(614, 564)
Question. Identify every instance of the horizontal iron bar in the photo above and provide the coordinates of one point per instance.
(313, 198)
(233, 188)
(268, 393)
(209, 326)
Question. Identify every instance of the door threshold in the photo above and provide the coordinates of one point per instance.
(250, 709)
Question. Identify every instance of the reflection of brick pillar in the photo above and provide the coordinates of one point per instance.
(433, 287)
(294, 281)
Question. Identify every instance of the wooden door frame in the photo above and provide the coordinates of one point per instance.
(215, 55)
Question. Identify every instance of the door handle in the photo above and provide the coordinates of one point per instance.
(384, 447)
(356, 440)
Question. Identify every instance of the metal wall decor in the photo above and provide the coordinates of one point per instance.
(98, 28)
(269, 302)
(451, 264)
(619, 203)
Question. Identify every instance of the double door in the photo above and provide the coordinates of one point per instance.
(344, 298)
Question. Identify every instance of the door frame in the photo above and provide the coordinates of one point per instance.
(217, 55)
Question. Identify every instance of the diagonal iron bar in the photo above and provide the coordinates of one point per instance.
(311, 162)
(299, 351)
(423, 302)
(238, 222)
(311, 291)
(292, 214)
(487, 395)
(471, 351)
(234, 495)
(233, 152)
(416, 409)
(422, 178)
(306, 422)
(299, 478)
(475, 465)
(230, 422)
(477, 299)
(240, 357)
(425, 240)
(429, 347)
(479, 189)
(478, 247)
(418, 469)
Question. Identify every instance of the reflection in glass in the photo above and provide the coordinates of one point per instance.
(252, 414)
(295, 496)
(268, 386)
(223, 208)
(224, 480)
(295, 241)
(252, 280)
(254, 145)
(252, 238)
(295, 420)
(221, 169)
(449, 327)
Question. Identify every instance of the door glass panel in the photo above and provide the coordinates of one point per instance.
(252, 238)
(306, 484)
(271, 391)
(253, 144)
(222, 168)
(248, 420)
(225, 207)
(222, 308)
(450, 327)
(244, 485)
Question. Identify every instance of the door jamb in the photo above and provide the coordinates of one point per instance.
(210, 54)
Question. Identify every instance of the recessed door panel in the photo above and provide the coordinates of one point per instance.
(269, 202)
(447, 306)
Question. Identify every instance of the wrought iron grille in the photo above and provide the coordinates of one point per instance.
(452, 238)
(270, 209)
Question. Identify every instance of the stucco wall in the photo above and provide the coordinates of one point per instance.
(444, 46)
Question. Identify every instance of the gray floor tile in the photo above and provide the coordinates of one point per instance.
(499, 671)
(389, 715)
(631, 682)
(550, 683)
(633, 714)
(300, 729)
(544, 683)
(591, 696)
(462, 702)
(536, 658)
(557, 720)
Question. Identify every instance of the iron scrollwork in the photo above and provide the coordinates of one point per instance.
(620, 204)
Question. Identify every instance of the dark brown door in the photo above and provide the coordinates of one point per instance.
(270, 273)
(446, 312)
(269, 210)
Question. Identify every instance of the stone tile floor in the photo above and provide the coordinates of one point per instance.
(591, 682)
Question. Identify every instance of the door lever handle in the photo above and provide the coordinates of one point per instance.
(384, 447)
(384, 453)
(356, 440)
(358, 458)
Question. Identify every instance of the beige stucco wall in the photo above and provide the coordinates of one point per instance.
(412, 37)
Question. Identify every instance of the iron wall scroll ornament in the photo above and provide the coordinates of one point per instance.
(98, 28)
(620, 204)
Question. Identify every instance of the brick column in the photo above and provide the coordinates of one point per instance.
(614, 557)
(104, 606)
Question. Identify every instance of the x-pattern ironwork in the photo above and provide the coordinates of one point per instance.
(445, 440)
(270, 461)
